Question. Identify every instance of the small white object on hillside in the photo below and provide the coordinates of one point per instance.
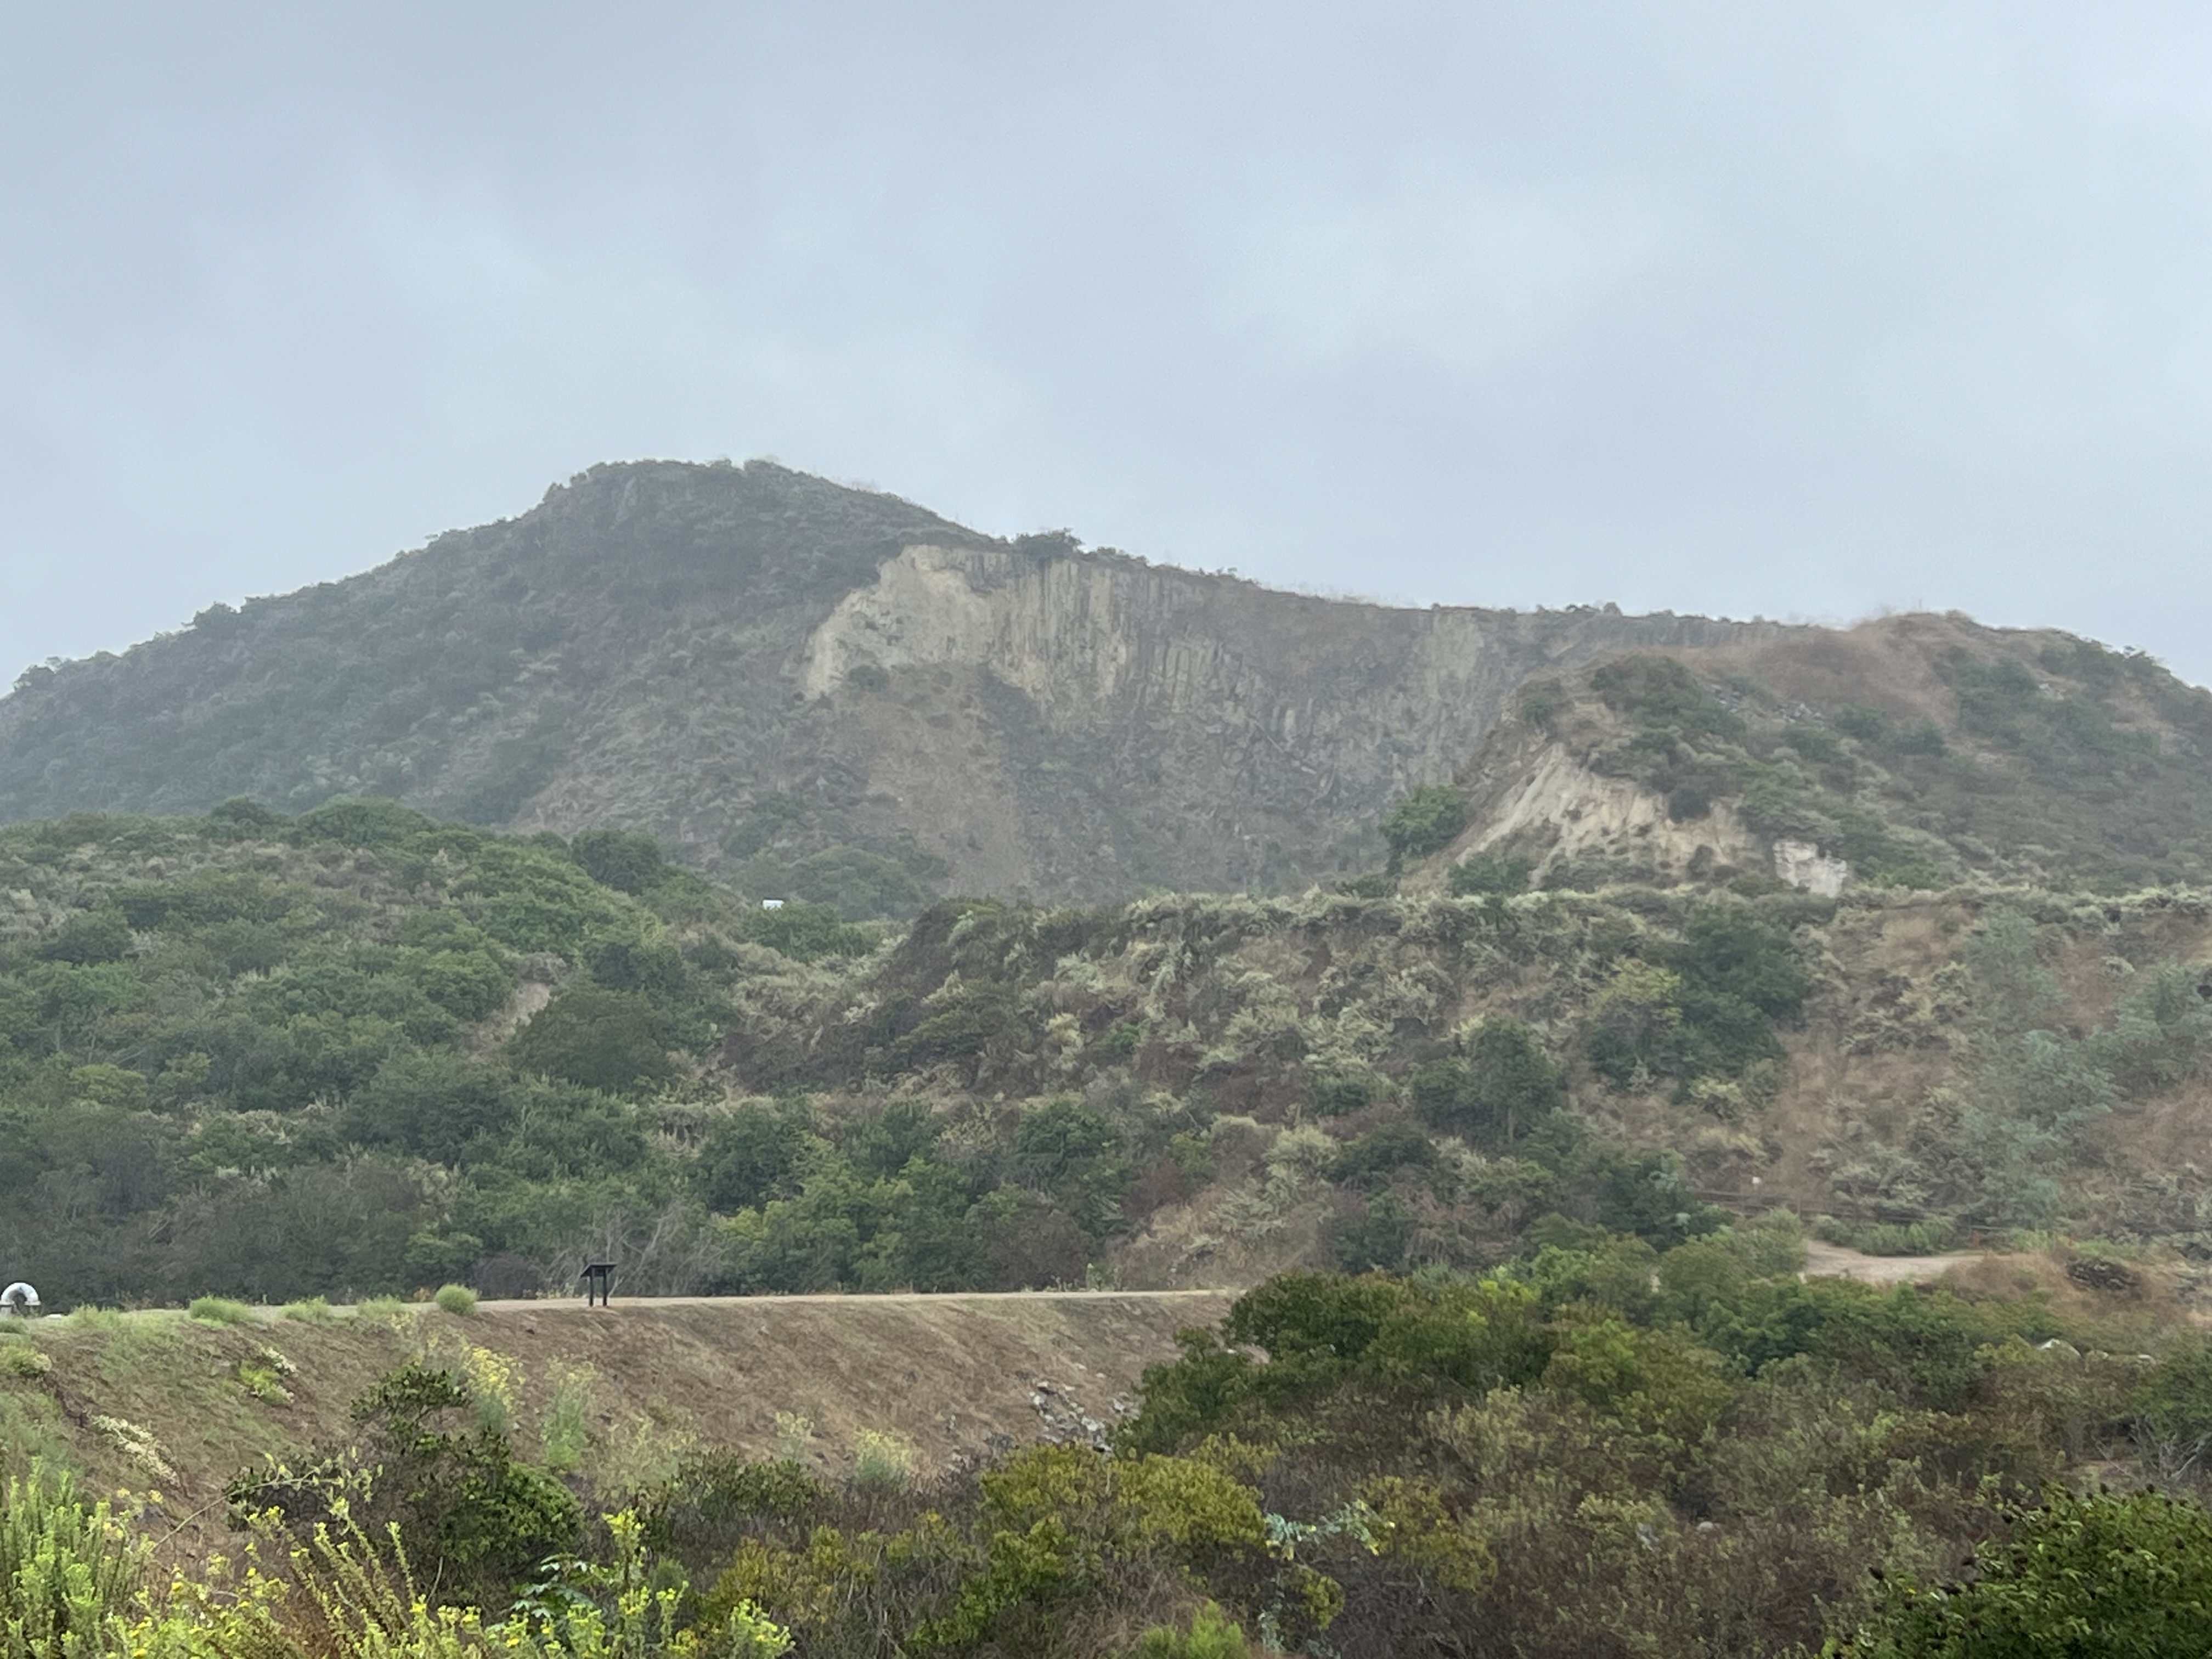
(771, 904)
(19, 1300)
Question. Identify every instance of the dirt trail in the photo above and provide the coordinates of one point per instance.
(1834, 1261)
(925, 1298)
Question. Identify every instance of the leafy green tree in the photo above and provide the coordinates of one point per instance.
(1074, 1152)
(749, 1156)
(929, 1238)
(1641, 1192)
(1740, 975)
(443, 1106)
(806, 932)
(1373, 1238)
(628, 862)
(1486, 874)
(2110, 1576)
(1383, 1150)
(89, 936)
(1426, 820)
(856, 884)
(1505, 1085)
(882, 1142)
(1636, 1023)
(608, 1040)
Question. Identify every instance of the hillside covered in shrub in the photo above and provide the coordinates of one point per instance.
(1598, 1448)
(359, 1051)
(355, 1051)
(1915, 752)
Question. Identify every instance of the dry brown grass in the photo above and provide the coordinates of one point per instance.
(952, 1376)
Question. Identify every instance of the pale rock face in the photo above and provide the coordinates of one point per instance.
(1803, 865)
(1076, 713)
(1593, 814)
(1051, 632)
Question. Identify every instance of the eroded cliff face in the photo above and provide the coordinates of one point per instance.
(1570, 811)
(667, 647)
(1088, 724)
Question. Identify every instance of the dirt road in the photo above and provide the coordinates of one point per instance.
(894, 1299)
(1834, 1261)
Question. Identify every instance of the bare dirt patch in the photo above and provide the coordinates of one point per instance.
(1835, 1261)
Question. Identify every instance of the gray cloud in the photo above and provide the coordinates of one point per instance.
(1730, 307)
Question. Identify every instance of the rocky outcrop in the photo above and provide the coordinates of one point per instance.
(1566, 812)
(1803, 865)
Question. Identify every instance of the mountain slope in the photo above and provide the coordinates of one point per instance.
(1915, 752)
(817, 689)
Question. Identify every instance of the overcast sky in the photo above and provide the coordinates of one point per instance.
(1794, 309)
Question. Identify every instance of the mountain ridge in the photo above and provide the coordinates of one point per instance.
(683, 649)
(818, 691)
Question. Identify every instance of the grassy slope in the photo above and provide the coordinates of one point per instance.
(953, 1376)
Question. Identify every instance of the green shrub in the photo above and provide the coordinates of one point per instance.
(2108, 1574)
(1661, 691)
(1488, 873)
(715, 1500)
(628, 862)
(1338, 1094)
(1816, 743)
(1506, 1086)
(23, 1362)
(882, 1460)
(1380, 1151)
(566, 1430)
(612, 1041)
(856, 884)
(1213, 1635)
(1924, 739)
(219, 1310)
(456, 1299)
(89, 1318)
(383, 1310)
(311, 1310)
(88, 938)
(264, 1382)
(1867, 725)
(68, 1570)
(472, 1517)
(1373, 1239)
(1376, 884)
(1904, 1239)
(749, 1155)
(1708, 1008)
(1426, 820)
(1880, 858)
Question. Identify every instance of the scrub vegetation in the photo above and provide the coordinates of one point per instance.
(1518, 1143)
(1596, 1447)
